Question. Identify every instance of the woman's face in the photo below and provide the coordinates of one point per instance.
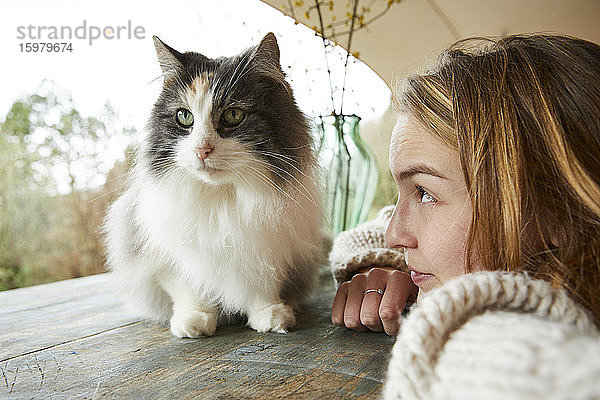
(433, 213)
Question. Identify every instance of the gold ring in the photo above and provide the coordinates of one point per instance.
(378, 291)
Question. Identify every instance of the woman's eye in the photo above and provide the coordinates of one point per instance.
(184, 117)
(424, 196)
(233, 116)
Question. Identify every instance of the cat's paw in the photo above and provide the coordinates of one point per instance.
(193, 324)
(274, 318)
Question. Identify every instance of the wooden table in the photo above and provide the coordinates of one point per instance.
(75, 340)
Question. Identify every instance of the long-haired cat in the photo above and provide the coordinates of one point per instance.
(221, 214)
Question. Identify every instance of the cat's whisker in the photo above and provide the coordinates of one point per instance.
(297, 148)
(154, 80)
(261, 142)
(181, 174)
(306, 193)
(245, 68)
(242, 75)
(270, 182)
(284, 159)
(283, 156)
(172, 75)
(302, 189)
(220, 80)
(119, 177)
(111, 192)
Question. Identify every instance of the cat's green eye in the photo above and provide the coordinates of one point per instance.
(233, 117)
(184, 118)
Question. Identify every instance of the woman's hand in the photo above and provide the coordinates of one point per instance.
(355, 309)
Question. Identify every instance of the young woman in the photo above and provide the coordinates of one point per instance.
(496, 233)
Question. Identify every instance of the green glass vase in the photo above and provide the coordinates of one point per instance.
(349, 172)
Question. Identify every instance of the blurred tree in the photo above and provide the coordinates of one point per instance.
(53, 163)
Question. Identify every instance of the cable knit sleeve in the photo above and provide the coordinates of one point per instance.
(364, 246)
(494, 335)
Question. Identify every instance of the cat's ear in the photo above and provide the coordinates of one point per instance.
(266, 56)
(168, 58)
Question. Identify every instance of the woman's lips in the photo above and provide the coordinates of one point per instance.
(419, 277)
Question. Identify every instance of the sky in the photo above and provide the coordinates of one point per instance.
(123, 71)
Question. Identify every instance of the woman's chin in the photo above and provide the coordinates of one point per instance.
(425, 288)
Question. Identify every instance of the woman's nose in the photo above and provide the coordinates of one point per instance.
(399, 232)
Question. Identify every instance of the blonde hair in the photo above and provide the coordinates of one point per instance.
(524, 114)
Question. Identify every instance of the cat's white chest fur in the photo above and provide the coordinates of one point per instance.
(215, 238)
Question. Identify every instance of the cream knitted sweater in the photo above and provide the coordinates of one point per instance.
(364, 246)
(487, 335)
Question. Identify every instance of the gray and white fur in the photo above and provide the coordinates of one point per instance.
(221, 215)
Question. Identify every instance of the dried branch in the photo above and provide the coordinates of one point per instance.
(348, 55)
(326, 58)
(357, 20)
(366, 23)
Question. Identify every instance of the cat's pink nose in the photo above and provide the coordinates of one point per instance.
(204, 151)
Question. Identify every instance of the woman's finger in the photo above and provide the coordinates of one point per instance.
(354, 303)
(339, 303)
(369, 312)
(399, 289)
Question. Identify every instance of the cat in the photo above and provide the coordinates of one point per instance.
(222, 212)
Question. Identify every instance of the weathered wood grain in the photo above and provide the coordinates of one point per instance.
(38, 317)
(89, 347)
